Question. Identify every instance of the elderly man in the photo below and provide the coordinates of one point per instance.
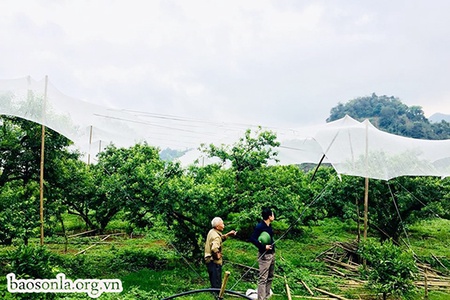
(213, 251)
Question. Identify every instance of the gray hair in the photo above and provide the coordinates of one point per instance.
(216, 221)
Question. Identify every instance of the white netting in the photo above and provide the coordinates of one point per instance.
(352, 147)
(84, 123)
(92, 127)
(360, 149)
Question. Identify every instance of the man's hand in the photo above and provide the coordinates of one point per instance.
(232, 232)
(217, 255)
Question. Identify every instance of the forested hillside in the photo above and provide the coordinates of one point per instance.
(388, 113)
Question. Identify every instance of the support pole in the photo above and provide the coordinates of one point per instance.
(41, 181)
(366, 206)
(366, 185)
(90, 143)
(366, 191)
(224, 284)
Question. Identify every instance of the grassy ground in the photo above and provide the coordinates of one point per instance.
(297, 260)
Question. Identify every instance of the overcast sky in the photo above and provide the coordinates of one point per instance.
(271, 63)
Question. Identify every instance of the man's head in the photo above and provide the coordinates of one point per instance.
(267, 214)
(217, 223)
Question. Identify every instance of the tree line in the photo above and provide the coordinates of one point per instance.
(389, 114)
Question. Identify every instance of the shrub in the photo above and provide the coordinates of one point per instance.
(390, 270)
(32, 262)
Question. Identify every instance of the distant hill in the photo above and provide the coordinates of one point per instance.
(438, 117)
(389, 114)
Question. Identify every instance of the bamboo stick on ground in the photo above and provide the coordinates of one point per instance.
(288, 291)
(307, 287)
(91, 246)
(330, 294)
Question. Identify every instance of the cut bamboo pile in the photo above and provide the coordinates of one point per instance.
(343, 260)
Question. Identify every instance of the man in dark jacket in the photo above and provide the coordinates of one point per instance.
(266, 254)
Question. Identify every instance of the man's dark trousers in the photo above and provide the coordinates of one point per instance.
(215, 274)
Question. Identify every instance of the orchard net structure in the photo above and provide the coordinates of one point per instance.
(351, 147)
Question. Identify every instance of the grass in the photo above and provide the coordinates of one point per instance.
(126, 258)
(431, 237)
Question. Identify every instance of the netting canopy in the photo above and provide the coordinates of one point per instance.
(360, 149)
(92, 127)
(351, 147)
(86, 124)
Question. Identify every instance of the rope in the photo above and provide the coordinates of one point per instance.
(186, 261)
(418, 200)
(286, 231)
(400, 217)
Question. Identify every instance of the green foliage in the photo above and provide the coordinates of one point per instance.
(34, 262)
(19, 211)
(392, 205)
(131, 180)
(249, 153)
(20, 155)
(75, 190)
(338, 198)
(297, 259)
(391, 270)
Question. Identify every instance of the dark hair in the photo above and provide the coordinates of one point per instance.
(266, 213)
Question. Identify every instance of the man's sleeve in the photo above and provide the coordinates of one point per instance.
(254, 240)
(215, 245)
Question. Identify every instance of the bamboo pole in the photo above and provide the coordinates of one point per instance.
(366, 193)
(90, 143)
(366, 206)
(41, 180)
(92, 246)
(307, 287)
(330, 294)
(358, 217)
(288, 291)
(366, 187)
(224, 284)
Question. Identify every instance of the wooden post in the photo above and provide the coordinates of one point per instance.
(224, 284)
(41, 181)
(426, 284)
